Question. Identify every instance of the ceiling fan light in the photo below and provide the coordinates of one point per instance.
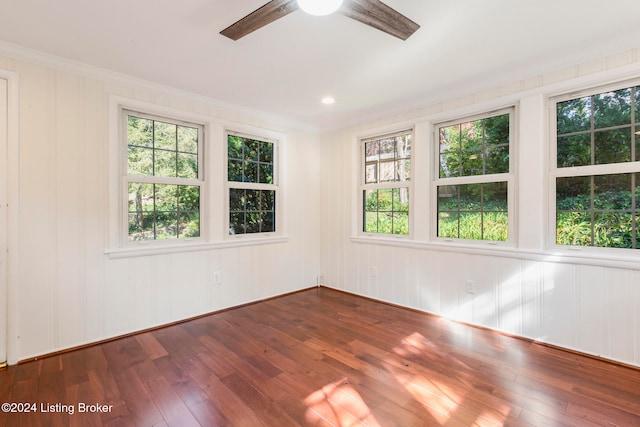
(319, 7)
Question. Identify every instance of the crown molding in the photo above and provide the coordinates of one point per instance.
(44, 59)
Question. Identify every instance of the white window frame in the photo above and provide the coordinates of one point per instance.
(509, 178)
(119, 244)
(363, 186)
(586, 170)
(129, 178)
(277, 139)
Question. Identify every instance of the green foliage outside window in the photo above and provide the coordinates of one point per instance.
(473, 211)
(386, 211)
(598, 210)
(160, 150)
(476, 211)
(387, 171)
(251, 161)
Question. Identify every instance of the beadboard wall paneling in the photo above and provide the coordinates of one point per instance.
(69, 291)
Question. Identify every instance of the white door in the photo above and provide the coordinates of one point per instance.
(3, 221)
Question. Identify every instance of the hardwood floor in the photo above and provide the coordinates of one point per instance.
(321, 358)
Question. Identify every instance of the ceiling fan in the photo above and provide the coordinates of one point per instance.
(370, 12)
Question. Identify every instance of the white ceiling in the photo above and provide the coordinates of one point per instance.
(285, 68)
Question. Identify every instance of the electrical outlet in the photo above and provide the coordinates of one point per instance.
(217, 278)
(471, 287)
(374, 271)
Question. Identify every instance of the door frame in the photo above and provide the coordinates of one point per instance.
(9, 162)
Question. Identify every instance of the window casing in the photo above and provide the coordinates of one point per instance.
(595, 168)
(386, 183)
(163, 179)
(474, 182)
(252, 184)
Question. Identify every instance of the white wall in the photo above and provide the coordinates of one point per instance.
(573, 300)
(65, 290)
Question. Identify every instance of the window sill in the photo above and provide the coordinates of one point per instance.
(563, 255)
(149, 250)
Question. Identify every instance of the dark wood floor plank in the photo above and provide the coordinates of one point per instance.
(324, 358)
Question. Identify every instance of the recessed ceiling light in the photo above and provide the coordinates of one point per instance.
(328, 100)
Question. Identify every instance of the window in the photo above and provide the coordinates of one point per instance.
(473, 177)
(252, 184)
(163, 178)
(385, 183)
(597, 169)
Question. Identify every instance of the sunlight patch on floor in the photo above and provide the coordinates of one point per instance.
(338, 404)
(440, 399)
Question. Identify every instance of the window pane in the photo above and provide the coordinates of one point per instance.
(612, 146)
(166, 197)
(471, 163)
(250, 160)
(371, 173)
(189, 225)
(237, 223)
(476, 147)
(448, 225)
(574, 150)
(165, 136)
(188, 166)
(140, 161)
(497, 160)
(387, 149)
(141, 198)
(574, 115)
(189, 198)
(471, 136)
(613, 192)
(266, 152)
(139, 131)
(387, 171)
(187, 139)
(473, 211)
(266, 173)
(235, 147)
(166, 225)
(250, 172)
(573, 228)
(251, 150)
(470, 197)
(371, 200)
(141, 226)
(450, 164)
(386, 211)
(573, 193)
(234, 170)
(403, 170)
(613, 230)
(494, 196)
(251, 211)
(612, 108)
(496, 130)
(165, 163)
(597, 210)
(371, 151)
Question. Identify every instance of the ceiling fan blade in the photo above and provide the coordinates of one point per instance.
(268, 13)
(380, 16)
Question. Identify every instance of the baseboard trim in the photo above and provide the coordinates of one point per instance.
(613, 362)
(155, 328)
